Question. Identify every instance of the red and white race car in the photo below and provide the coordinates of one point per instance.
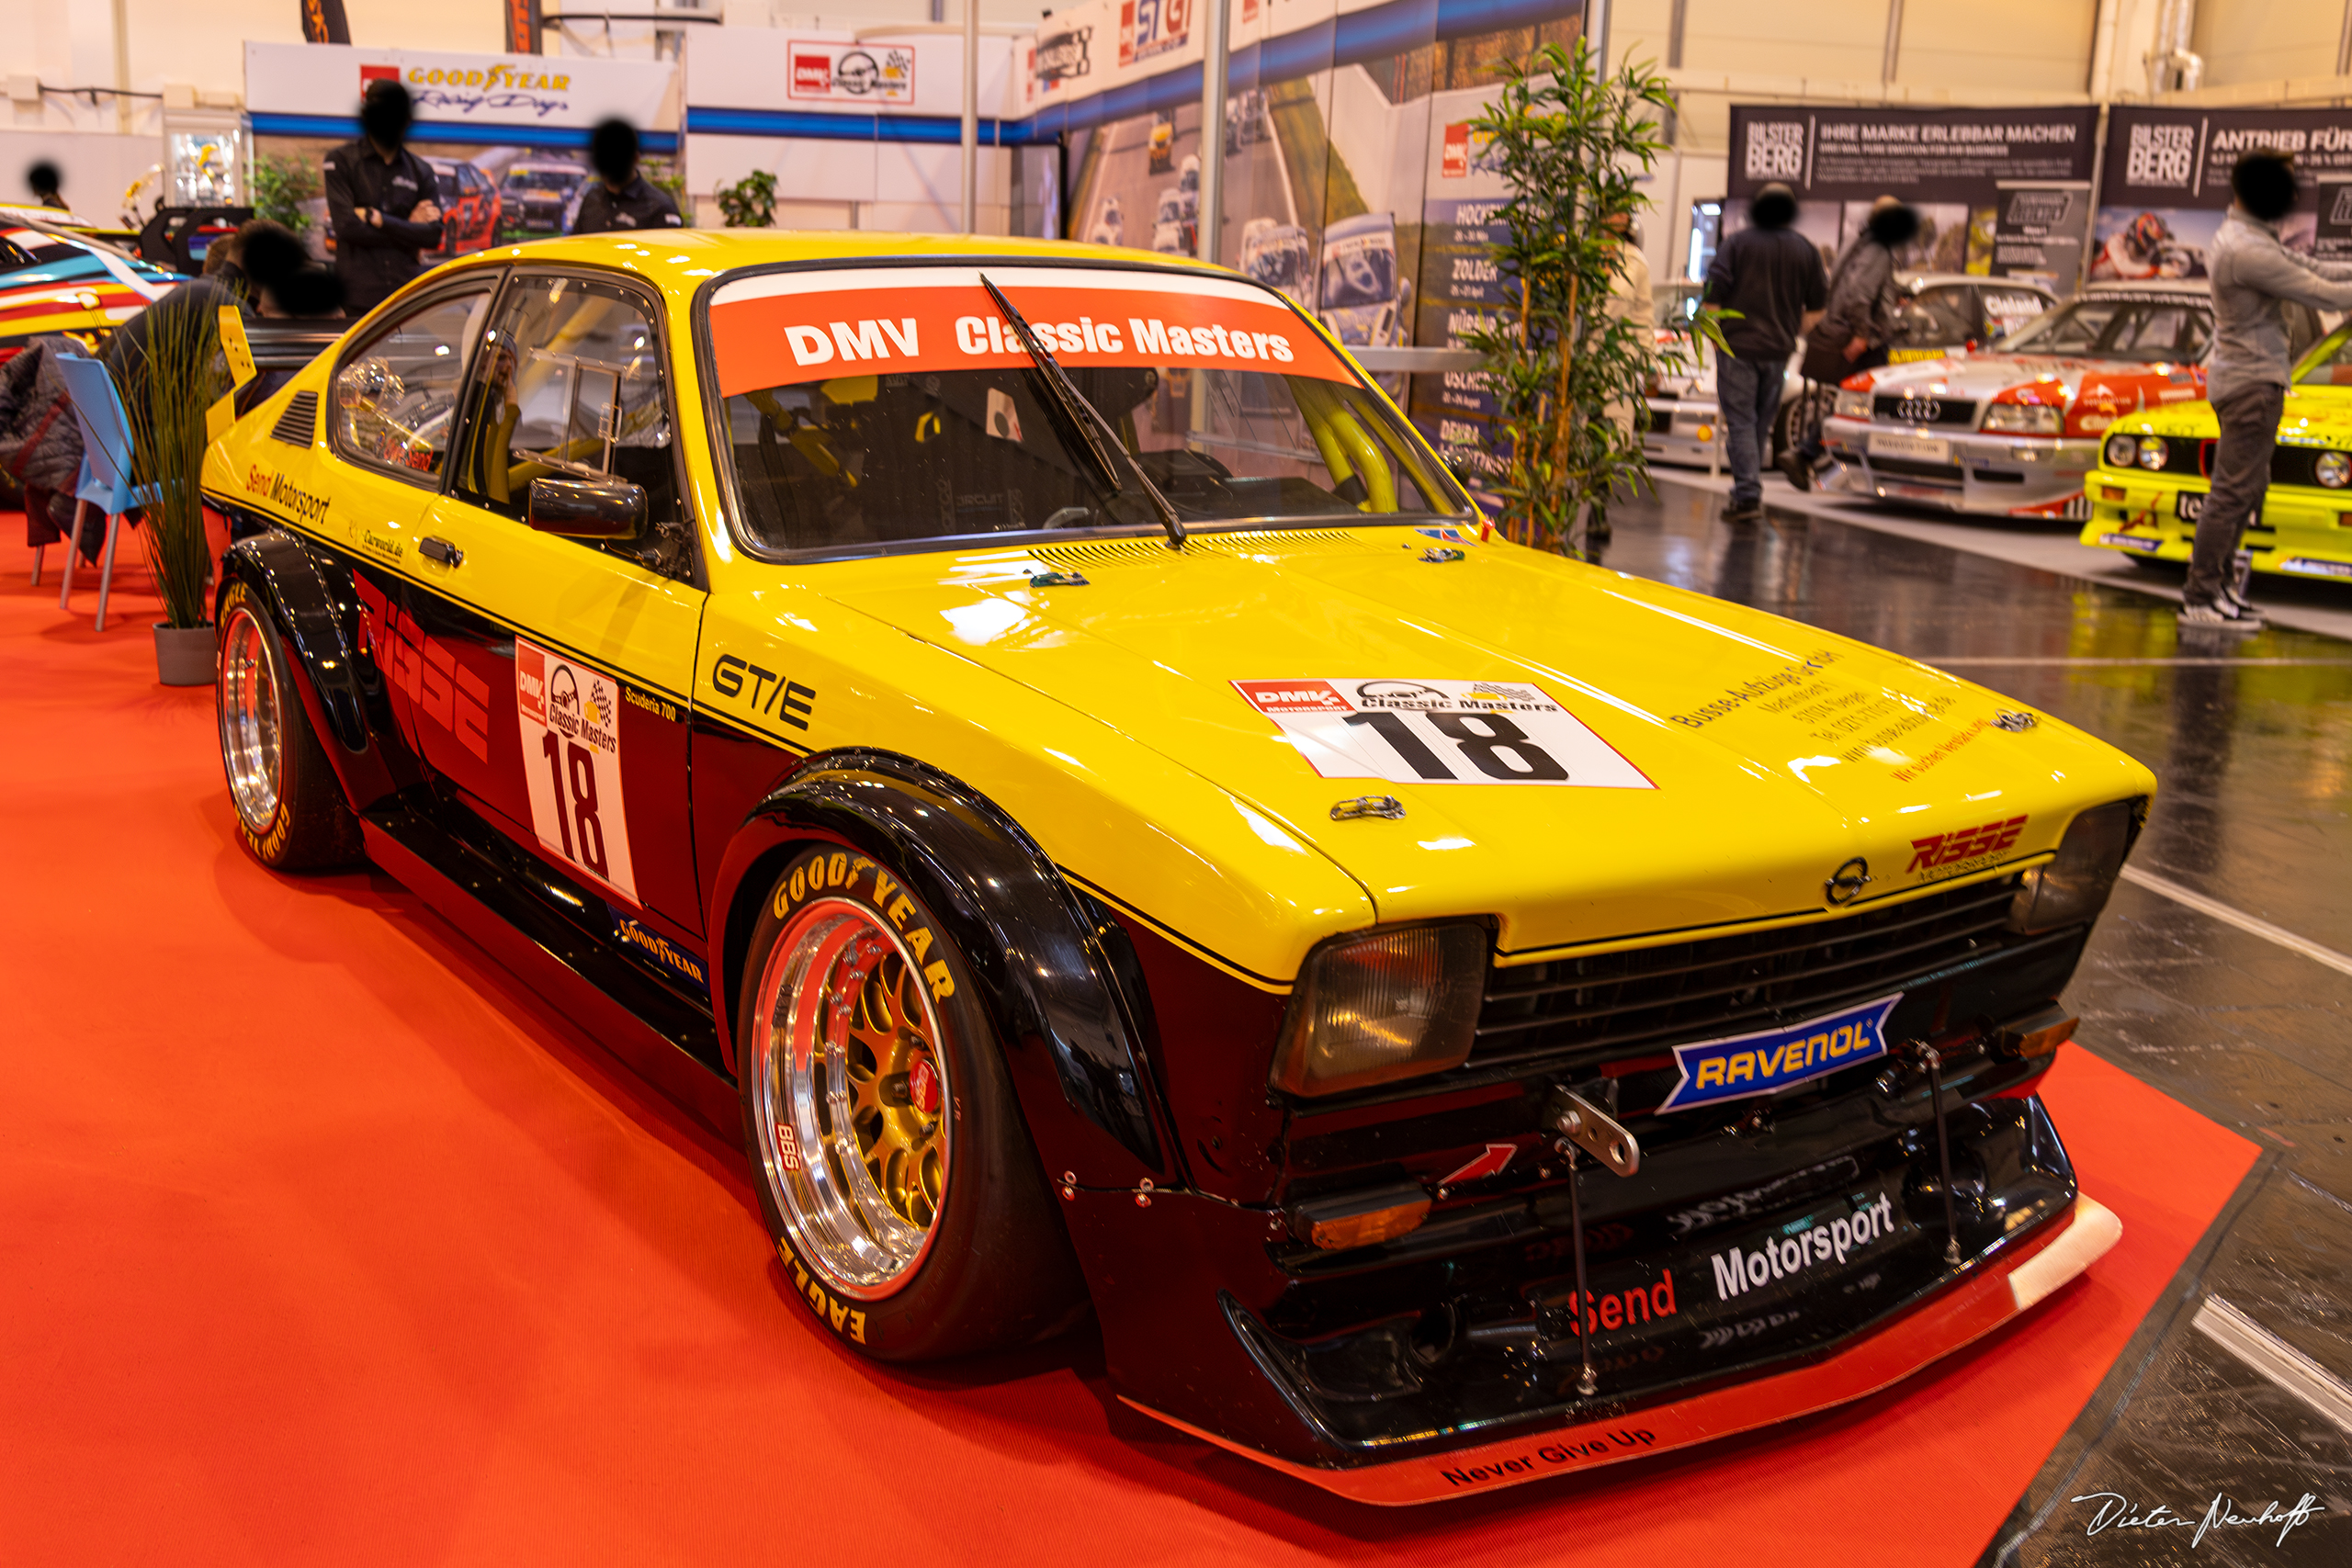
(2014, 429)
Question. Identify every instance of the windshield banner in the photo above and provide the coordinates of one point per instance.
(784, 328)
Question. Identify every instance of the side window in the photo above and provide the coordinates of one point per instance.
(396, 395)
(572, 384)
(14, 256)
(2007, 310)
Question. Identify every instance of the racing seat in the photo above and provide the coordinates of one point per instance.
(105, 488)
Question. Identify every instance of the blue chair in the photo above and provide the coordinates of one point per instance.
(105, 486)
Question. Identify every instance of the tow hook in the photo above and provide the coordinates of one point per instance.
(1928, 1056)
(1584, 1126)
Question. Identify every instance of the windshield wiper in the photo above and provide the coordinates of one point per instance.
(1092, 428)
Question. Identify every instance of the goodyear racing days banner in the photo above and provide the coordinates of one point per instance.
(2165, 184)
(506, 134)
(2003, 192)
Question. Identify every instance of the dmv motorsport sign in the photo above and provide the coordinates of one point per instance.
(1714, 1071)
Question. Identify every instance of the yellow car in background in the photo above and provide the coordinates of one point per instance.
(2156, 468)
(1027, 737)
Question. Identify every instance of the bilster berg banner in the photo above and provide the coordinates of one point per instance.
(2002, 192)
(2165, 184)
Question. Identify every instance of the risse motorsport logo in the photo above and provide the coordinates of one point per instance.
(1950, 849)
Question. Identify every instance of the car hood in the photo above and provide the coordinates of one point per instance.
(2094, 392)
(2313, 416)
(1736, 761)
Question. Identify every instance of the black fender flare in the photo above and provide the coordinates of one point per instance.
(281, 571)
(1071, 1014)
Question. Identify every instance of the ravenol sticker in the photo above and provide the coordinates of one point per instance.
(2130, 542)
(1718, 1070)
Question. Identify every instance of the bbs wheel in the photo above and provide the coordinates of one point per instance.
(893, 1167)
(290, 809)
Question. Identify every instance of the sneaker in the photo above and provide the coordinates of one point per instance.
(2240, 608)
(1744, 512)
(2224, 615)
(1799, 470)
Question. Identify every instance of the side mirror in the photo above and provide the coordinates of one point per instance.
(586, 509)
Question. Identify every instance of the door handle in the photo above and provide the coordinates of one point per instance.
(441, 550)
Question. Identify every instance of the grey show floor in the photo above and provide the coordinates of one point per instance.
(2193, 982)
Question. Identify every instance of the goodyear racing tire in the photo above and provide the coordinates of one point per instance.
(892, 1164)
(290, 809)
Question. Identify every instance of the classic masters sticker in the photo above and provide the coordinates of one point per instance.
(570, 719)
(1415, 731)
(1718, 1070)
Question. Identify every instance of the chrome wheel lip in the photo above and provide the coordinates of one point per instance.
(839, 1224)
(252, 721)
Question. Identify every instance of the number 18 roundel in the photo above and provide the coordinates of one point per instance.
(1407, 731)
(570, 717)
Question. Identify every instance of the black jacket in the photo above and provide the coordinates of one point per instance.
(374, 260)
(1772, 276)
(639, 205)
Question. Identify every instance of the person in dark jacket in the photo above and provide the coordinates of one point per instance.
(380, 201)
(45, 180)
(1772, 275)
(621, 197)
(1857, 329)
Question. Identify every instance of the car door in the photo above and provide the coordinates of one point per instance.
(586, 647)
(392, 410)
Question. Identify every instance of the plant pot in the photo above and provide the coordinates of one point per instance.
(185, 656)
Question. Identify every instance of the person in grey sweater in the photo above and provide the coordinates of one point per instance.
(1855, 331)
(2245, 376)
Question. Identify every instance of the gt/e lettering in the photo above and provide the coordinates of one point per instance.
(771, 692)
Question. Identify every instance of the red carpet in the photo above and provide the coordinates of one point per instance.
(323, 1241)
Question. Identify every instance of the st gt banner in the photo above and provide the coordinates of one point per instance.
(2002, 192)
(2165, 184)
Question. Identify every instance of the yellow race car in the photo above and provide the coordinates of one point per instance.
(2156, 470)
(1030, 739)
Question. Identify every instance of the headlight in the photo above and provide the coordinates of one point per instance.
(2022, 419)
(2122, 451)
(2073, 886)
(2334, 469)
(2153, 452)
(1389, 1005)
(1853, 405)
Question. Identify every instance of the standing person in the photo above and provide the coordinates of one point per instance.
(621, 197)
(1855, 331)
(45, 180)
(1629, 301)
(2245, 376)
(380, 203)
(1772, 275)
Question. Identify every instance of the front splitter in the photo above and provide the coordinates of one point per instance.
(1967, 1311)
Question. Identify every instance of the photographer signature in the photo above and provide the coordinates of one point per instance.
(2115, 1511)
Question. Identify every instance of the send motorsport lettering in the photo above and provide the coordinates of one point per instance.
(881, 339)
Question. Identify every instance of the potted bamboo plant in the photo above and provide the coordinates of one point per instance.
(164, 395)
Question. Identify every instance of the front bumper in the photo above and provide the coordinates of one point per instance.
(2004, 1287)
(2298, 532)
(1961, 470)
(1683, 430)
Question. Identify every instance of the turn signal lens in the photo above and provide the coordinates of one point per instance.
(1370, 1010)
(2073, 886)
(2334, 469)
(2112, 492)
(2122, 451)
(2153, 452)
(1337, 1223)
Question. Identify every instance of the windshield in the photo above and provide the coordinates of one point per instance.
(2106, 326)
(896, 407)
(1359, 275)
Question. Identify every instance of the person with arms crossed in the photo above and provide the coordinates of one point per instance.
(2245, 375)
(1770, 275)
(380, 201)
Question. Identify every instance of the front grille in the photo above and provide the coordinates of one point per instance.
(1625, 1003)
(1924, 410)
(1905, 469)
(299, 425)
(2289, 465)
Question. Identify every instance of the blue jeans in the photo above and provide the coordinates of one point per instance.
(1748, 392)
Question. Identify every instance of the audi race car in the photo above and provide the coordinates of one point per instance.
(53, 279)
(1941, 313)
(1033, 742)
(2014, 430)
(2156, 468)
